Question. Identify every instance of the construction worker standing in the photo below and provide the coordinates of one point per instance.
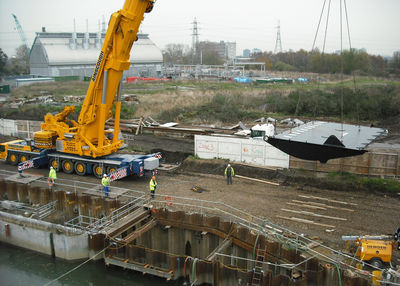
(229, 172)
(106, 183)
(52, 176)
(153, 186)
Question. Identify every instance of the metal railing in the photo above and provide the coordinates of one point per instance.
(92, 224)
(116, 215)
(82, 222)
(45, 210)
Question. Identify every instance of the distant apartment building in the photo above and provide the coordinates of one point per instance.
(256, 51)
(226, 50)
(246, 53)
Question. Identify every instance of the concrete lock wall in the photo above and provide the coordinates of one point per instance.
(252, 151)
(43, 237)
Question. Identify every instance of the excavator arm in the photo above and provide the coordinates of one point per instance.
(88, 137)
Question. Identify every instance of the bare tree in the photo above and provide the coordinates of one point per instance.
(3, 62)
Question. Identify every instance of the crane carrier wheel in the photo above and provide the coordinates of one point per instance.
(67, 166)
(23, 158)
(111, 169)
(80, 168)
(53, 163)
(12, 158)
(98, 171)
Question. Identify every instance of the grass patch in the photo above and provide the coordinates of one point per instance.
(221, 107)
(209, 102)
(368, 184)
(369, 103)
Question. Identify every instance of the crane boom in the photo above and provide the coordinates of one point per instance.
(87, 137)
(21, 34)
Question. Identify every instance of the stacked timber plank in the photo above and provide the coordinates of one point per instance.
(149, 124)
(131, 125)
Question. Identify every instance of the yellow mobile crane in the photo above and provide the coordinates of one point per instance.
(87, 136)
(84, 146)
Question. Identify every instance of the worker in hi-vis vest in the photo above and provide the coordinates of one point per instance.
(229, 173)
(106, 184)
(153, 186)
(52, 176)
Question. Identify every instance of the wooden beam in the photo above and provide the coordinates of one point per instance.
(306, 206)
(314, 214)
(323, 205)
(126, 222)
(306, 221)
(125, 228)
(328, 200)
(219, 248)
(138, 127)
(257, 180)
(144, 268)
(132, 236)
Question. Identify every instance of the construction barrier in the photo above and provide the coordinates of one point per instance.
(246, 150)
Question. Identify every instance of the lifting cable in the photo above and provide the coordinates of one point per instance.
(352, 72)
(319, 23)
(342, 69)
(343, 9)
(323, 47)
(75, 268)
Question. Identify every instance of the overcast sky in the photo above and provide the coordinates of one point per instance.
(374, 24)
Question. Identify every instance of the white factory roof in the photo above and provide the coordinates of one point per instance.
(57, 51)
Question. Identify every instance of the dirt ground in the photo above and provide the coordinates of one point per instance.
(365, 213)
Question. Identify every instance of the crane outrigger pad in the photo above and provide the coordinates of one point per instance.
(322, 141)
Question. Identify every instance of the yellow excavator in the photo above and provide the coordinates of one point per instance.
(85, 146)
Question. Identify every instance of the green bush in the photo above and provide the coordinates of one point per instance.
(367, 103)
(368, 184)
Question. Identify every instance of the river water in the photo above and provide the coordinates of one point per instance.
(23, 267)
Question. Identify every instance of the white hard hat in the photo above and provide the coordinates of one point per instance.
(229, 165)
(51, 167)
(104, 175)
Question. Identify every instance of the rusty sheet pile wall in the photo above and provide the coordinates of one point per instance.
(68, 204)
(181, 243)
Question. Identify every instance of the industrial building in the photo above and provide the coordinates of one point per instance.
(225, 50)
(75, 54)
